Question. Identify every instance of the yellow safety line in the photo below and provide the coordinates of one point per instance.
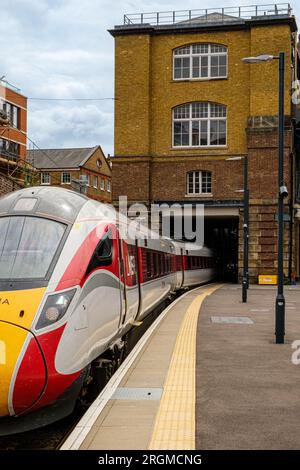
(175, 421)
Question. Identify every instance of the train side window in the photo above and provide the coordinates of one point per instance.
(154, 264)
(103, 253)
(149, 273)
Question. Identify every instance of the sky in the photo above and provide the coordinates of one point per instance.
(61, 49)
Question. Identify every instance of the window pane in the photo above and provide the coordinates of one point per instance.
(195, 133)
(190, 182)
(214, 60)
(185, 133)
(203, 133)
(24, 256)
(66, 178)
(182, 50)
(14, 117)
(222, 71)
(177, 68)
(218, 48)
(196, 70)
(199, 110)
(200, 49)
(206, 182)
(217, 132)
(217, 110)
(213, 132)
(222, 60)
(182, 112)
(182, 67)
(204, 66)
(181, 133)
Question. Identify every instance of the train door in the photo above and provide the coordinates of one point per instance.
(129, 281)
(180, 269)
(122, 276)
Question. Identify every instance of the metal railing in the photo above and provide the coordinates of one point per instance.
(6, 84)
(212, 15)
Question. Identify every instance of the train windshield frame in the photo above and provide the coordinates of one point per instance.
(29, 246)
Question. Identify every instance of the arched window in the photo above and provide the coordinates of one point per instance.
(199, 124)
(198, 182)
(200, 61)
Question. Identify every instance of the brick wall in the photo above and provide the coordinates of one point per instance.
(146, 166)
(8, 185)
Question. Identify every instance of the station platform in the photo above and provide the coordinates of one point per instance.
(207, 374)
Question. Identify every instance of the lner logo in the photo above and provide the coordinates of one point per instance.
(2, 352)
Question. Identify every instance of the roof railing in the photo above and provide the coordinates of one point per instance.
(6, 84)
(211, 15)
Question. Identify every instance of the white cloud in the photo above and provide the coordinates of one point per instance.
(61, 49)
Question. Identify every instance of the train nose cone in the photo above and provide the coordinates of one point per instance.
(22, 370)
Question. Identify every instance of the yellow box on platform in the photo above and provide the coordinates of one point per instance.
(265, 279)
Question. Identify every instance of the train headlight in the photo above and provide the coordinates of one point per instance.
(55, 308)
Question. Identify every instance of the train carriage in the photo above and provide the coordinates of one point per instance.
(71, 286)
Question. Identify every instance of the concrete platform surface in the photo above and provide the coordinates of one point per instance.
(211, 381)
(248, 389)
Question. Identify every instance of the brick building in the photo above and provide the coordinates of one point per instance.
(188, 111)
(71, 168)
(13, 129)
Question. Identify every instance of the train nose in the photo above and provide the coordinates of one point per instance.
(22, 369)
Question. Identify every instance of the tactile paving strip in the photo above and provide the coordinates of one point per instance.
(175, 421)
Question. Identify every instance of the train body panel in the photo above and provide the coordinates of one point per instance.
(83, 280)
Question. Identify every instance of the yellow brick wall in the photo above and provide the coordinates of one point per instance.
(264, 77)
(132, 86)
(146, 92)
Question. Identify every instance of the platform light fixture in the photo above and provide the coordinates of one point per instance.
(282, 192)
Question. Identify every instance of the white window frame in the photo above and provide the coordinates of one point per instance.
(190, 119)
(108, 188)
(201, 176)
(42, 178)
(95, 178)
(62, 177)
(208, 54)
(102, 184)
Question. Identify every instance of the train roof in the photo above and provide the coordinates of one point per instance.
(57, 203)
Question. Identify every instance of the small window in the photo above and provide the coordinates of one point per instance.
(108, 186)
(102, 184)
(45, 178)
(198, 182)
(95, 183)
(65, 178)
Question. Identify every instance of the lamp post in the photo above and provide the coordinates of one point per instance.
(245, 280)
(282, 193)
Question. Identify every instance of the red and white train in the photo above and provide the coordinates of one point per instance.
(71, 287)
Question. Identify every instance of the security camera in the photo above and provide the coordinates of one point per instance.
(283, 191)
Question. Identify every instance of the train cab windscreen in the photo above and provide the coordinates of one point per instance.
(28, 246)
